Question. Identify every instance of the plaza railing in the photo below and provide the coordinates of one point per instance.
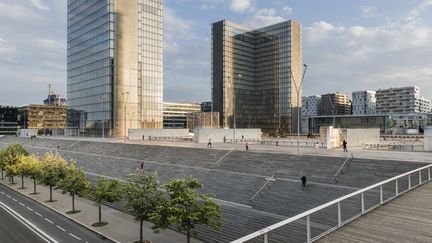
(263, 235)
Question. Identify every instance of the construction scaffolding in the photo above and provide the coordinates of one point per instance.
(203, 119)
(43, 116)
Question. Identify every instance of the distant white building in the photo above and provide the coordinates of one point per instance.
(310, 105)
(364, 102)
(402, 100)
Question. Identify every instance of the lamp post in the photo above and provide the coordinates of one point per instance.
(102, 97)
(125, 103)
(298, 89)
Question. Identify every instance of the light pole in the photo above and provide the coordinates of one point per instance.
(125, 103)
(102, 97)
(298, 89)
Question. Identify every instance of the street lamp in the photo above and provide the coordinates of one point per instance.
(234, 108)
(298, 89)
(125, 103)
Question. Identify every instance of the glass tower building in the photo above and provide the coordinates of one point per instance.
(114, 66)
(255, 73)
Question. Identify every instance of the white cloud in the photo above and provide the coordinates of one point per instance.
(368, 11)
(39, 4)
(175, 29)
(241, 6)
(264, 17)
(287, 11)
(6, 48)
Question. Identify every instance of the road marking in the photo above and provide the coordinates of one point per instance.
(2, 193)
(51, 222)
(22, 204)
(8, 196)
(14, 199)
(74, 236)
(38, 214)
(61, 228)
(29, 209)
(44, 236)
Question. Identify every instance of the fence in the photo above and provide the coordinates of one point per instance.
(399, 182)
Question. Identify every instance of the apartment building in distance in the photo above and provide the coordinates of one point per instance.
(310, 105)
(176, 114)
(8, 120)
(364, 102)
(255, 73)
(334, 104)
(403, 100)
(114, 66)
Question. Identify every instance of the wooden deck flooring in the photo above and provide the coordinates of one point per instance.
(405, 219)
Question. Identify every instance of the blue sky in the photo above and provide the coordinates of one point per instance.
(348, 44)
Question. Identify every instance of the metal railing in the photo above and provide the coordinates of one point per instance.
(337, 202)
(350, 157)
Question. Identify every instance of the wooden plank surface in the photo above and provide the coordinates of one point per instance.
(405, 219)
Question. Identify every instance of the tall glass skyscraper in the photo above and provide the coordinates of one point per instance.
(255, 73)
(114, 66)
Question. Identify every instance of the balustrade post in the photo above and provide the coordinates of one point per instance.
(381, 195)
(397, 188)
(409, 182)
(420, 179)
(266, 237)
(429, 174)
(339, 215)
(308, 229)
(362, 203)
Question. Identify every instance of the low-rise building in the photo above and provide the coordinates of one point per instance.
(42, 117)
(334, 104)
(8, 120)
(175, 115)
(310, 105)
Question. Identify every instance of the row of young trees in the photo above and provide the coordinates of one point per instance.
(178, 203)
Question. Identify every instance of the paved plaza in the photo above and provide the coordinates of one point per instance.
(235, 176)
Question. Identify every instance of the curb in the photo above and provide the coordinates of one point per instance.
(61, 213)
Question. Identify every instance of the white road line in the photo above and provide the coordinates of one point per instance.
(29, 209)
(74, 236)
(38, 214)
(8, 196)
(22, 204)
(61, 228)
(2, 193)
(49, 221)
(14, 199)
(28, 224)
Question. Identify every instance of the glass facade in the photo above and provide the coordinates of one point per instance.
(253, 75)
(114, 68)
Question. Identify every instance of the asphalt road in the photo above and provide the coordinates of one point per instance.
(12, 230)
(46, 225)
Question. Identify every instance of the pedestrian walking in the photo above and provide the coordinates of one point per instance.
(344, 145)
(303, 180)
(209, 145)
(224, 140)
(316, 146)
(142, 166)
(247, 146)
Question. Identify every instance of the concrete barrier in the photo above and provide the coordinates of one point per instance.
(152, 133)
(202, 135)
(428, 139)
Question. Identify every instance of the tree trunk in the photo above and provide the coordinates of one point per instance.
(100, 213)
(73, 202)
(12, 180)
(188, 235)
(141, 231)
(50, 187)
(22, 181)
(34, 186)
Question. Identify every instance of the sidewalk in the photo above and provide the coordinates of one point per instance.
(121, 227)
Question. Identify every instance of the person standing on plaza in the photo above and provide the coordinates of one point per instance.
(303, 180)
(224, 140)
(344, 145)
(209, 145)
(247, 146)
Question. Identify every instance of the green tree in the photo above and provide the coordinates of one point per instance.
(10, 159)
(28, 166)
(53, 170)
(143, 198)
(105, 191)
(187, 207)
(75, 183)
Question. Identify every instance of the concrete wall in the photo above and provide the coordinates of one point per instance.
(333, 137)
(358, 137)
(144, 134)
(27, 132)
(202, 135)
(428, 139)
